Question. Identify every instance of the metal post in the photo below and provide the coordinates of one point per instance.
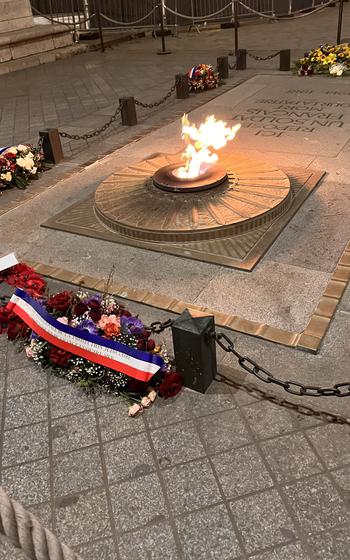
(99, 24)
(182, 86)
(223, 67)
(194, 348)
(86, 12)
(51, 144)
(285, 60)
(340, 21)
(128, 111)
(241, 59)
(162, 16)
(235, 13)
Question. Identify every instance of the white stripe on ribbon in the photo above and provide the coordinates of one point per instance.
(7, 261)
(115, 355)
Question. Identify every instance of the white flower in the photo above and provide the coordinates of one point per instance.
(34, 170)
(337, 69)
(134, 409)
(22, 148)
(26, 162)
(152, 395)
(6, 176)
(11, 150)
(146, 402)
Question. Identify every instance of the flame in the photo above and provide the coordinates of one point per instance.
(211, 135)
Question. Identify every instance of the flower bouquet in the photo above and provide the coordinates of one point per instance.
(202, 77)
(18, 165)
(91, 340)
(329, 59)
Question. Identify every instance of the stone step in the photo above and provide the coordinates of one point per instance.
(41, 58)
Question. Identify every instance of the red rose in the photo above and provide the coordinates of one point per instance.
(35, 285)
(17, 274)
(125, 313)
(171, 385)
(136, 386)
(16, 328)
(59, 357)
(141, 344)
(151, 345)
(95, 310)
(60, 302)
(80, 308)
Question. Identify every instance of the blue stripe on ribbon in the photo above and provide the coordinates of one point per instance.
(85, 335)
(2, 150)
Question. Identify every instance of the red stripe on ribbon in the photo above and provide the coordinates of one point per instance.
(78, 351)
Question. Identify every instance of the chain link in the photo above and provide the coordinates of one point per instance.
(261, 58)
(158, 327)
(292, 387)
(93, 133)
(156, 103)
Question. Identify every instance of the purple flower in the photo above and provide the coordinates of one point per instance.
(88, 325)
(34, 336)
(131, 325)
(95, 298)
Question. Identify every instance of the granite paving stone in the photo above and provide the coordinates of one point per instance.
(217, 398)
(43, 513)
(28, 483)
(25, 444)
(74, 431)
(114, 421)
(267, 419)
(100, 550)
(127, 458)
(263, 520)
(223, 431)
(329, 442)
(169, 411)
(331, 545)
(207, 530)
(342, 479)
(177, 444)
(156, 542)
(294, 551)
(25, 409)
(82, 517)
(191, 486)
(138, 502)
(241, 471)
(26, 380)
(291, 457)
(77, 471)
(317, 504)
(7, 550)
(68, 399)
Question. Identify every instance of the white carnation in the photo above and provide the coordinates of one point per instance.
(26, 163)
(23, 148)
(337, 69)
(6, 176)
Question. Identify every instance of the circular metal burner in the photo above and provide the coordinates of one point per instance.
(165, 179)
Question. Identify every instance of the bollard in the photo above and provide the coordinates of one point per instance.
(51, 145)
(195, 351)
(241, 59)
(182, 86)
(128, 111)
(223, 67)
(285, 60)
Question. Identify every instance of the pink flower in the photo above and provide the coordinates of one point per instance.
(63, 320)
(152, 395)
(106, 319)
(30, 352)
(146, 402)
(134, 409)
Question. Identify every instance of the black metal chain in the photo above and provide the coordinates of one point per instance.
(93, 133)
(292, 387)
(156, 103)
(261, 58)
(158, 327)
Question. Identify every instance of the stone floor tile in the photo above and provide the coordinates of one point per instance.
(69, 399)
(99, 550)
(191, 486)
(243, 398)
(329, 443)
(26, 409)
(43, 513)
(216, 399)
(128, 457)
(82, 517)
(138, 502)
(73, 432)
(316, 504)
(342, 479)
(208, 534)
(28, 483)
(223, 431)
(291, 457)
(77, 471)
(9, 552)
(114, 421)
(263, 520)
(25, 444)
(26, 380)
(177, 443)
(155, 542)
(241, 471)
(293, 551)
(169, 411)
(18, 359)
(267, 419)
(331, 545)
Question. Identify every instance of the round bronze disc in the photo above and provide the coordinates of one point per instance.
(255, 193)
(165, 179)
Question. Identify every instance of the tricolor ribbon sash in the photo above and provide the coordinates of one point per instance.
(109, 353)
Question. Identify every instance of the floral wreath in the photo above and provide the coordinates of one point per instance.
(202, 77)
(331, 59)
(19, 165)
